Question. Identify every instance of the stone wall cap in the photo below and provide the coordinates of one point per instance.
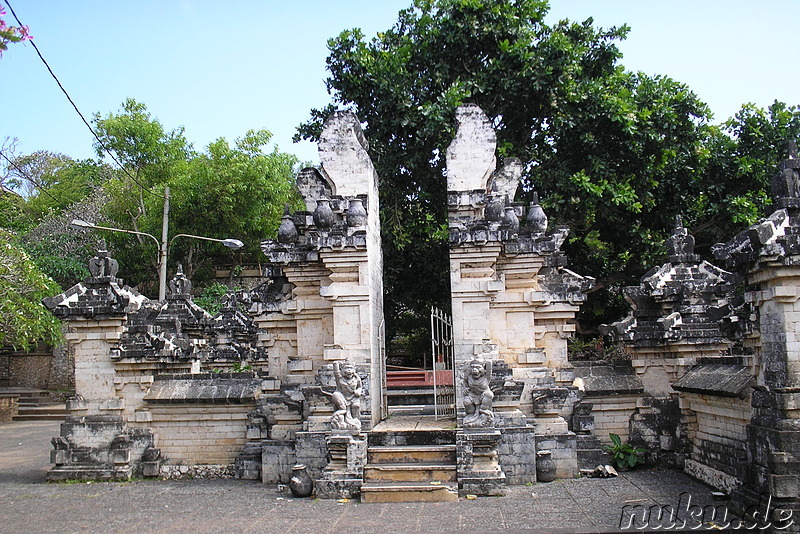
(716, 379)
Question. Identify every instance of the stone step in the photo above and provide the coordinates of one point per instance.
(42, 412)
(443, 434)
(409, 473)
(408, 492)
(412, 454)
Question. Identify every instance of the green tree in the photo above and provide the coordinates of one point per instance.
(741, 157)
(612, 153)
(232, 191)
(225, 192)
(23, 319)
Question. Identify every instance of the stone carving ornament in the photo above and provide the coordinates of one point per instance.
(478, 397)
(347, 398)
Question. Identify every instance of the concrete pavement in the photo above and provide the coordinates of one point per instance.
(29, 504)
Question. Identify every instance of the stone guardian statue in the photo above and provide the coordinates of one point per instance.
(478, 397)
(347, 398)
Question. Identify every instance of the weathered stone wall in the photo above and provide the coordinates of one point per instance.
(717, 433)
(198, 435)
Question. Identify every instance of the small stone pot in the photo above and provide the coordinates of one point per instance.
(545, 467)
(536, 222)
(301, 484)
(323, 215)
(510, 219)
(356, 214)
(287, 231)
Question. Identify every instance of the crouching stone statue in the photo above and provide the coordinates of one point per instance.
(477, 395)
(347, 398)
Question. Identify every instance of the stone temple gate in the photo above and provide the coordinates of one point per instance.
(710, 385)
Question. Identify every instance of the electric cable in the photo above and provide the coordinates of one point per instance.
(78, 111)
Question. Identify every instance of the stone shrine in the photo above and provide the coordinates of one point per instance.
(709, 382)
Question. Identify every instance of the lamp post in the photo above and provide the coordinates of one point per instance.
(163, 246)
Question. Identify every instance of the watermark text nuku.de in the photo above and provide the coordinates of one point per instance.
(688, 516)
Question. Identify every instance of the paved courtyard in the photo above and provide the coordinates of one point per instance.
(29, 504)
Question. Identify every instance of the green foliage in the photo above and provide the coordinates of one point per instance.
(239, 368)
(624, 455)
(226, 192)
(24, 321)
(211, 298)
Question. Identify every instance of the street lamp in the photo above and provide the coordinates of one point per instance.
(163, 247)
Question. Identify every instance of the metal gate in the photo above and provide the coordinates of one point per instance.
(382, 358)
(444, 392)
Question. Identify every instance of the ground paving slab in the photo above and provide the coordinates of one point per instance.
(29, 504)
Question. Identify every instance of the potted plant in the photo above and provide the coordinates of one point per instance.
(624, 455)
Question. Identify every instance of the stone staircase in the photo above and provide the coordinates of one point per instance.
(411, 460)
(36, 405)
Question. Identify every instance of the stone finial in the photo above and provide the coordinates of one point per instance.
(478, 398)
(536, 220)
(470, 156)
(102, 265)
(180, 286)
(347, 397)
(680, 245)
(786, 182)
(287, 231)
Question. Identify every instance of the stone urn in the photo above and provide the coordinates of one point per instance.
(323, 215)
(287, 231)
(545, 467)
(536, 222)
(356, 214)
(301, 484)
(510, 219)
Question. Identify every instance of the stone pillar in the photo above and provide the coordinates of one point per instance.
(331, 256)
(512, 297)
(95, 442)
(769, 254)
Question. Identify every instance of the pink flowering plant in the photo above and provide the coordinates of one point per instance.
(11, 34)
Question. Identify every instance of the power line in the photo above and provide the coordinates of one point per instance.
(78, 111)
(34, 182)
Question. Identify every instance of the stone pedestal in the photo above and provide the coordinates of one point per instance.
(478, 469)
(343, 476)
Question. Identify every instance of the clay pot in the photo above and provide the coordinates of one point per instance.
(545, 467)
(301, 484)
(536, 221)
(323, 215)
(356, 214)
(287, 231)
(510, 219)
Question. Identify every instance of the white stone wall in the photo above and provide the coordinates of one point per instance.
(200, 434)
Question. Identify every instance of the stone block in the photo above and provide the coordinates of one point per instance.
(784, 486)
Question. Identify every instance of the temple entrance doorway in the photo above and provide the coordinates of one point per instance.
(425, 385)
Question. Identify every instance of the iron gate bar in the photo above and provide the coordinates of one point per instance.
(442, 344)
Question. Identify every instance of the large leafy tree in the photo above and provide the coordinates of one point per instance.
(613, 154)
(226, 192)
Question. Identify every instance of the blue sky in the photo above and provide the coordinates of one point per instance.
(222, 68)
